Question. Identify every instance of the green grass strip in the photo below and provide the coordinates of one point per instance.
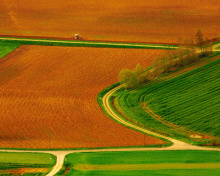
(82, 43)
(12, 160)
(167, 172)
(7, 47)
(187, 158)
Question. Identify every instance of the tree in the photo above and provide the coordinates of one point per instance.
(199, 39)
(171, 60)
(141, 78)
(179, 56)
(138, 69)
(124, 75)
(128, 78)
(165, 62)
(187, 45)
(132, 78)
(208, 44)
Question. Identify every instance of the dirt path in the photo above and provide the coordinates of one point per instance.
(177, 145)
(215, 47)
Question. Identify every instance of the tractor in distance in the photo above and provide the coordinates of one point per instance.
(76, 37)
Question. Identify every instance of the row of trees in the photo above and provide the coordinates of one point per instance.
(186, 54)
(203, 44)
(132, 78)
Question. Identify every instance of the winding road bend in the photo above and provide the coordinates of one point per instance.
(60, 155)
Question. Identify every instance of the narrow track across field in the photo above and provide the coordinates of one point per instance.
(90, 43)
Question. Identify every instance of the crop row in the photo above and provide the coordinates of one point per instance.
(128, 104)
(190, 100)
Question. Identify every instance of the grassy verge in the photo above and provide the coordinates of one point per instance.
(162, 97)
(33, 159)
(81, 43)
(10, 160)
(216, 42)
(7, 47)
(143, 163)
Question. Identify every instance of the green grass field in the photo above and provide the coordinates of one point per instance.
(81, 43)
(173, 172)
(6, 48)
(153, 163)
(190, 100)
(10, 160)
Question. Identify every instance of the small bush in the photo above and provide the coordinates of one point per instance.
(215, 141)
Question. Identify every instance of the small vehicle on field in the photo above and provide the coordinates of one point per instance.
(76, 37)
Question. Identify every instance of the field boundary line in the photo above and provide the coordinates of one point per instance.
(93, 43)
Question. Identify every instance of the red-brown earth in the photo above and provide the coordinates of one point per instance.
(48, 97)
(125, 20)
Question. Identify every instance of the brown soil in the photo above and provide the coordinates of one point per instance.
(152, 21)
(22, 171)
(47, 97)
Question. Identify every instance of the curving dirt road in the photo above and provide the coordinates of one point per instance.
(177, 145)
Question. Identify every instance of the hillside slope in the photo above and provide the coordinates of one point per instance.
(186, 106)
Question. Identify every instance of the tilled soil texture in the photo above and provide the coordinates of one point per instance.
(137, 20)
(21, 171)
(48, 97)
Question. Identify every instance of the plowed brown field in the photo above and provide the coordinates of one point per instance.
(21, 171)
(127, 20)
(47, 97)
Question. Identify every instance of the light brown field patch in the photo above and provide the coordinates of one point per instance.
(48, 97)
(148, 21)
(22, 171)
